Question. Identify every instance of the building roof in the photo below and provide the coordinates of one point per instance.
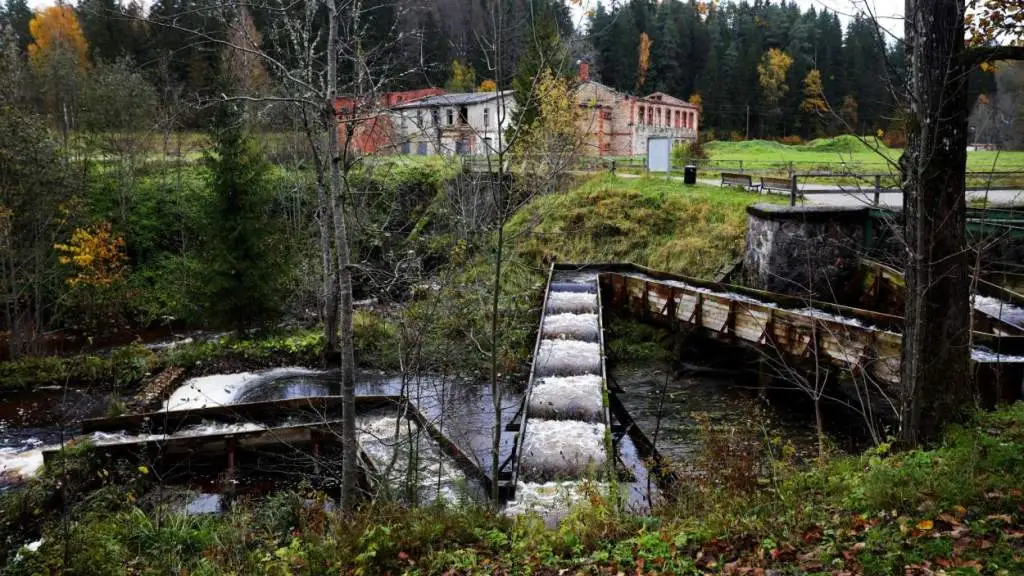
(659, 97)
(667, 99)
(459, 99)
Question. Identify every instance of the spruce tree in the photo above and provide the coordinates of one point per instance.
(246, 250)
(545, 51)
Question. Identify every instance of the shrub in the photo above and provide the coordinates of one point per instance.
(895, 139)
(684, 152)
(124, 366)
(793, 140)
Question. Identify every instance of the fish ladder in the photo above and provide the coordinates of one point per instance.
(564, 435)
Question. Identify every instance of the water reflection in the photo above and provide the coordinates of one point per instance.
(685, 400)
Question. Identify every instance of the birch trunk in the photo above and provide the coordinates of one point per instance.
(343, 270)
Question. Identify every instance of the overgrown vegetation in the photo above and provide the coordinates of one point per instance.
(376, 343)
(956, 507)
(657, 223)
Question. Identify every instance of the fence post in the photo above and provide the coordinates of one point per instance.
(792, 191)
(878, 188)
(741, 166)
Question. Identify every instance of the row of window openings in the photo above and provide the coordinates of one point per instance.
(435, 117)
(654, 118)
(461, 147)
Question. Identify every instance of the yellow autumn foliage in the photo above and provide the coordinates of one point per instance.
(55, 30)
(771, 72)
(814, 94)
(96, 254)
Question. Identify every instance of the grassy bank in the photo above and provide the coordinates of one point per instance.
(956, 508)
(657, 223)
(125, 367)
(649, 221)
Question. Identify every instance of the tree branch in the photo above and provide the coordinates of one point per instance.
(976, 56)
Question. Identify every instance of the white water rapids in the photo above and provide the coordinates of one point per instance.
(433, 476)
(26, 460)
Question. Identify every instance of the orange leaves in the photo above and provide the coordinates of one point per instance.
(55, 30)
(645, 59)
(488, 86)
(96, 254)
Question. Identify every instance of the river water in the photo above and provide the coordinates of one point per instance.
(691, 405)
(461, 408)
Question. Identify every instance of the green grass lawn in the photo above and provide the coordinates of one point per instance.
(839, 153)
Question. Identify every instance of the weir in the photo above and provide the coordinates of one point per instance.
(296, 433)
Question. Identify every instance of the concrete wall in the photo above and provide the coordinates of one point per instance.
(480, 137)
(804, 251)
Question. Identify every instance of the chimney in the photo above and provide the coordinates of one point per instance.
(584, 71)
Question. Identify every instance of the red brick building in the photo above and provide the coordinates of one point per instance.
(618, 124)
(372, 127)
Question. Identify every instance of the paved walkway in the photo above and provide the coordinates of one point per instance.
(853, 196)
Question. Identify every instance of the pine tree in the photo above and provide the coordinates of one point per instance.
(103, 26)
(667, 53)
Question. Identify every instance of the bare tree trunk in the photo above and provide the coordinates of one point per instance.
(819, 427)
(330, 311)
(495, 387)
(936, 342)
(343, 271)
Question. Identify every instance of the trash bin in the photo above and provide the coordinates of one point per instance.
(690, 174)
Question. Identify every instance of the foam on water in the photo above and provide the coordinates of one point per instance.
(567, 398)
(437, 476)
(575, 302)
(214, 428)
(996, 308)
(550, 500)
(16, 465)
(572, 326)
(567, 358)
(224, 389)
(987, 356)
(821, 314)
(561, 448)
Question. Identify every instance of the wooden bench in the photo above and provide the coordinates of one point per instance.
(769, 184)
(733, 179)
